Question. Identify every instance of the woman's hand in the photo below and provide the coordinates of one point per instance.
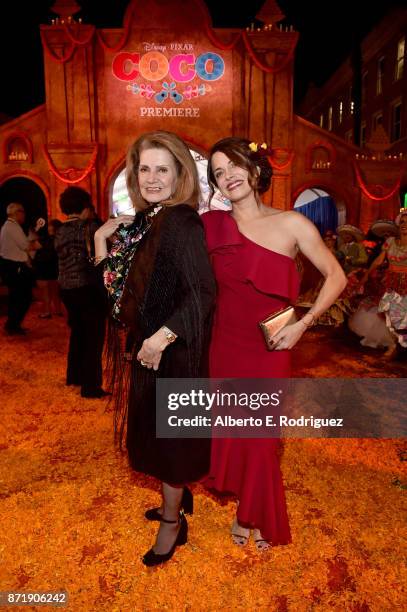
(110, 227)
(288, 336)
(39, 224)
(105, 231)
(152, 349)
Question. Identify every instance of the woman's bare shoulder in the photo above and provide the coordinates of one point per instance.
(286, 217)
(293, 224)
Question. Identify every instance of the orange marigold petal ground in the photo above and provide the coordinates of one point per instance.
(72, 511)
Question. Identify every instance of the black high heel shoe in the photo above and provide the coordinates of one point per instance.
(187, 506)
(151, 558)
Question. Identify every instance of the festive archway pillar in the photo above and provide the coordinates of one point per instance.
(379, 183)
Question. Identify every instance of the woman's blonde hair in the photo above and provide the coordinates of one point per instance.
(187, 190)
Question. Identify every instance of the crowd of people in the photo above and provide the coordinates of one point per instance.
(184, 294)
(373, 304)
(56, 258)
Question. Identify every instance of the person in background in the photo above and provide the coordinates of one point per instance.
(351, 247)
(82, 293)
(93, 216)
(380, 231)
(46, 270)
(353, 258)
(393, 302)
(16, 267)
(330, 239)
(367, 322)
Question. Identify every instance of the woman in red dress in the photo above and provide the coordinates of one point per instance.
(252, 249)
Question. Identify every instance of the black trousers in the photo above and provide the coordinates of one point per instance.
(87, 309)
(19, 280)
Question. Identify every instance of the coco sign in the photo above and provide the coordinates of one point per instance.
(168, 78)
(155, 66)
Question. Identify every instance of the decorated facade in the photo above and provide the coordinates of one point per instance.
(168, 68)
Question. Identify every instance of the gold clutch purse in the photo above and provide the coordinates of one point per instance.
(275, 322)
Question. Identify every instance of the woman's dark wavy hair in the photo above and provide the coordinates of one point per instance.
(74, 200)
(239, 152)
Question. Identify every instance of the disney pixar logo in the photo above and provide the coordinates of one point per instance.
(177, 71)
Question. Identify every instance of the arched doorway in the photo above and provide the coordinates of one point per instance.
(321, 208)
(28, 193)
(120, 202)
(327, 213)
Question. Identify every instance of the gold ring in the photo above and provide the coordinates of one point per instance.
(143, 363)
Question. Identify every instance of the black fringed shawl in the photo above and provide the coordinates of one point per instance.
(170, 282)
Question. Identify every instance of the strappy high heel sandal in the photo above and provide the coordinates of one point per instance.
(261, 544)
(151, 558)
(187, 506)
(240, 539)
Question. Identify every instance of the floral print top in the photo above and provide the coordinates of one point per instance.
(121, 254)
(396, 254)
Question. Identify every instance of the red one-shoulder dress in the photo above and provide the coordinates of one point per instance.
(252, 282)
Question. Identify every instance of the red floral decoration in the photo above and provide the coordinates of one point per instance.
(71, 176)
(78, 41)
(128, 18)
(123, 39)
(277, 152)
(55, 58)
(379, 192)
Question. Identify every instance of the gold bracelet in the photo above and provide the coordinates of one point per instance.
(312, 321)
